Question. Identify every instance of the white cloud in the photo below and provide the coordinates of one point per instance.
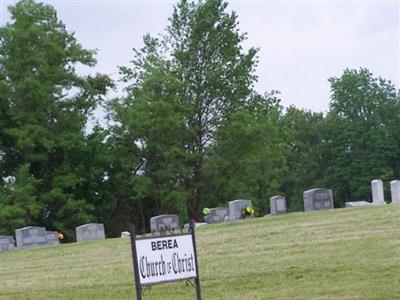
(302, 45)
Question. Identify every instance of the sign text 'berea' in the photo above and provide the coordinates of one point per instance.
(167, 258)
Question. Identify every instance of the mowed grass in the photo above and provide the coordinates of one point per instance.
(332, 254)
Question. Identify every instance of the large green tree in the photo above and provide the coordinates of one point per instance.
(45, 105)
(303, 132)
(150, 127)
(362, 141)
(217, 77)
(212, 78)
(248, 160)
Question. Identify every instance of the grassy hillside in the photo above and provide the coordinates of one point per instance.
(335, 254)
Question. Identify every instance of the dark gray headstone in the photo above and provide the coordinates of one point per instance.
(236, 207)
(217, 215)
(395, 191)
(317, 199)
(277, 205)
(7, 243)
(164, 222)
(52, 238)
(91, 231)
(357, 204)
(377, 192)
(31, 236)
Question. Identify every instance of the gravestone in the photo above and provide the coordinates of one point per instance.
(164, 223)
(6, 243)
(236, 207)
(277, 205)
(52, 238)
(395, 191)
(196, 224)
(217, 215)
(30, 236)
(377, 192)
(125, 234)
(357, 204)
(89, 232)
(317, 199)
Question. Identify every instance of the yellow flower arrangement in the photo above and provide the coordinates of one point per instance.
(248, 212)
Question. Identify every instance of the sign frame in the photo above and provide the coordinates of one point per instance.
(139, 286)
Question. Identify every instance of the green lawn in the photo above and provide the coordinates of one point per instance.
(332, 254)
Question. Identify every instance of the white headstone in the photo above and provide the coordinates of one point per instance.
(377, 192)
(357, 204)
(125, 234)
(395, 191)
(277, 205)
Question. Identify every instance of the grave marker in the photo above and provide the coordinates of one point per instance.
(163, 223)
(30, 236)
(317, 199)
(125, 234)
(89, 232)
(7, 243)
(395, 191)
(277, 205)
(217, 215)
(377, 192)
(357, 204)
(52, 238)
(236, 207)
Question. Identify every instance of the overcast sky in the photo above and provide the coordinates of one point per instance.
(302, 43)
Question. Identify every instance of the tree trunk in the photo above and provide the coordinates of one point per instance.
(196, 189)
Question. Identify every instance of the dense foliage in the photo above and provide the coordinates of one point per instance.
(189, 130)
(45, 105)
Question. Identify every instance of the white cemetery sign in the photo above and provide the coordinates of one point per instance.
(164, 259)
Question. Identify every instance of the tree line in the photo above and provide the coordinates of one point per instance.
(189, 130)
